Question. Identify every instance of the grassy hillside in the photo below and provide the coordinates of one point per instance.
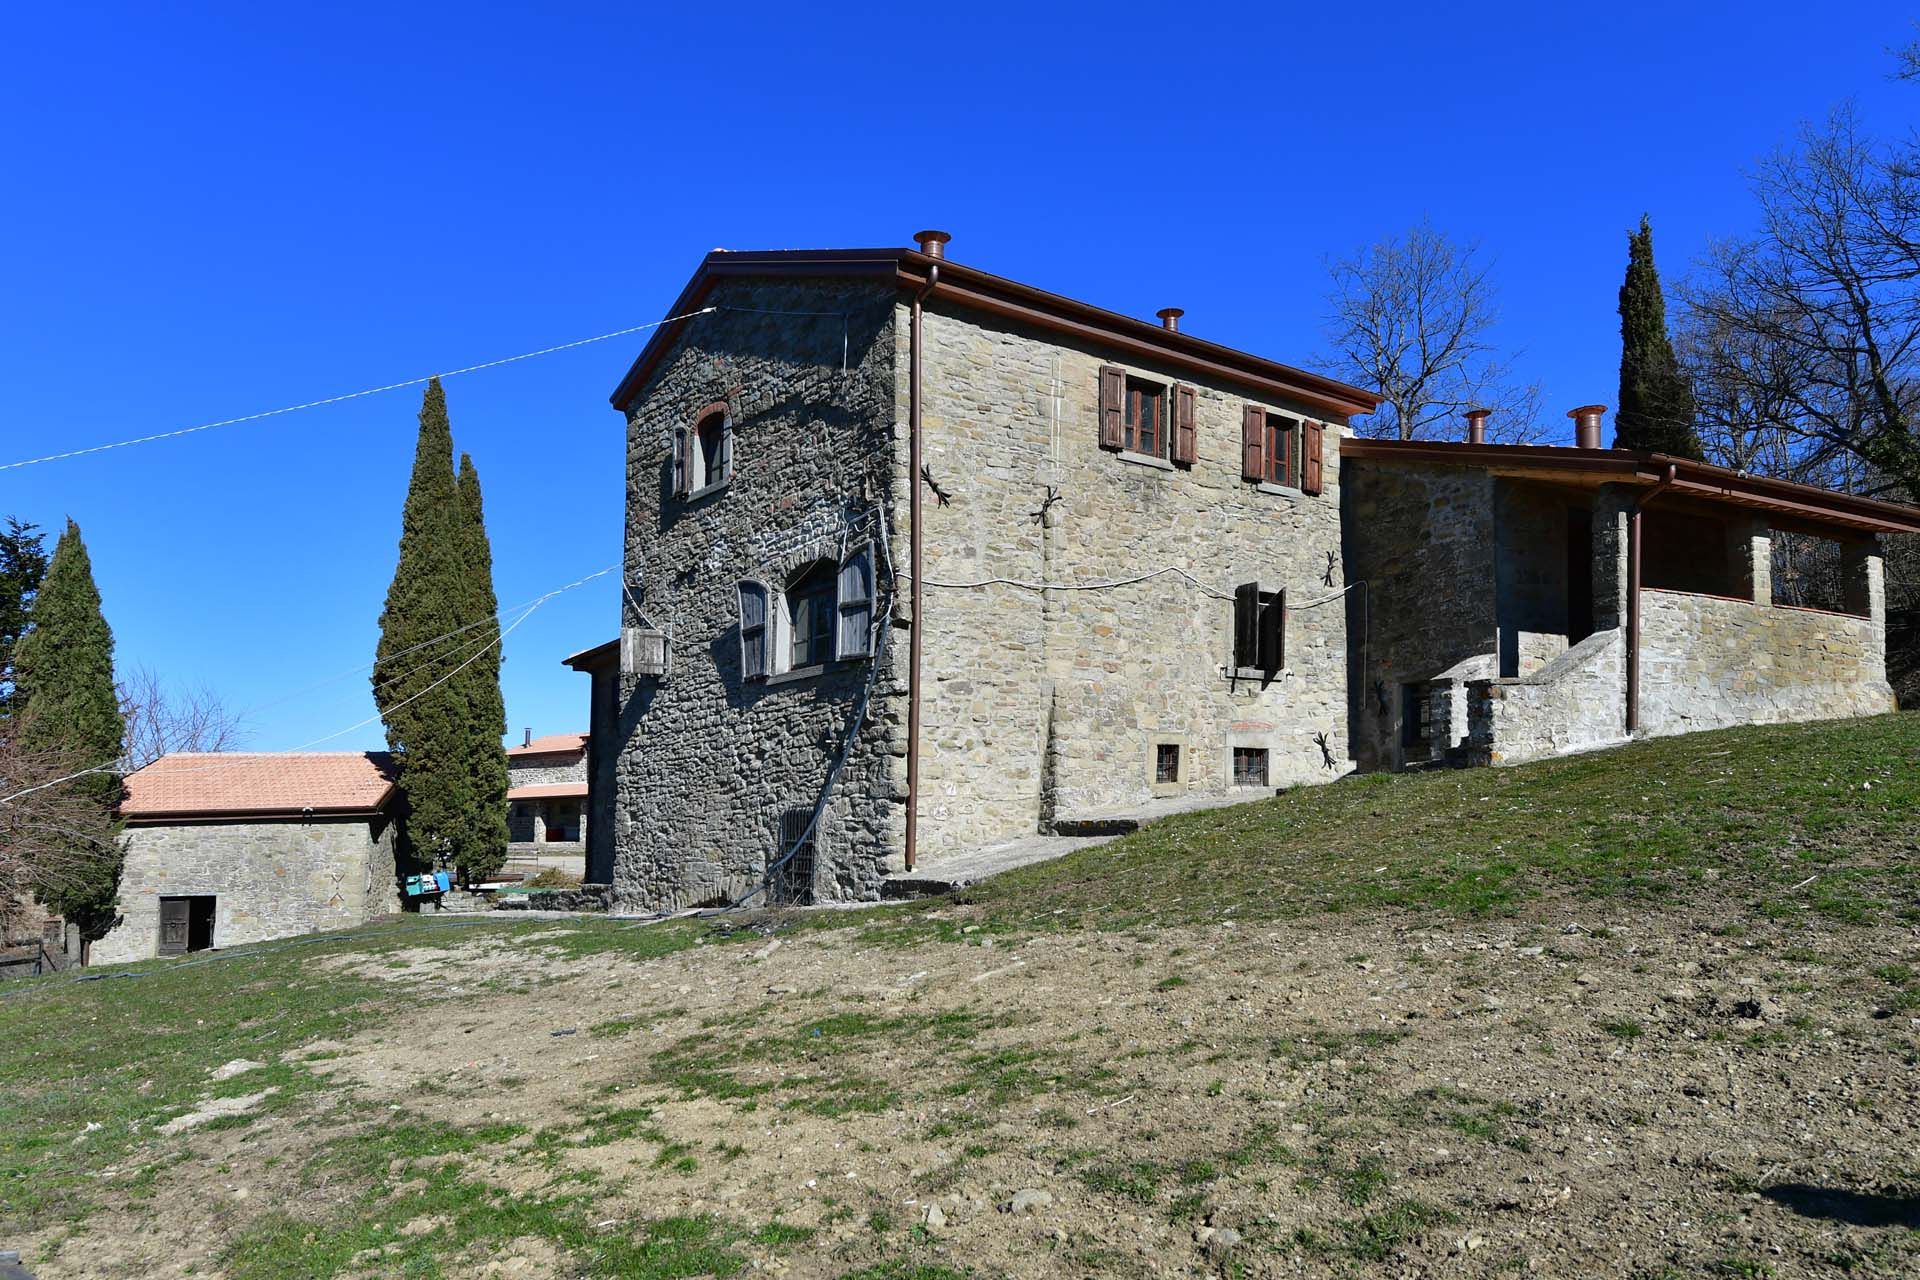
(1268, 1018)
(1778, 821)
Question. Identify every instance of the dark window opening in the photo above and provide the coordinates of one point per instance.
(1259, 630)
(1249, 766)
(1684, 552)
(1416, 721)
(1579, 575)
(520, 823)
(1282, 434)
(711, 438)
(1166, 763)
(1146, 417)
(790, 883)
(810, 610)
(563, 824)
(186, 924)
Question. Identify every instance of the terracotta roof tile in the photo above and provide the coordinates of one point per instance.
(262, 784)
(552, 744)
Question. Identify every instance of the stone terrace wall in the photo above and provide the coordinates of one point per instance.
(271, 880)
(1708, 662)
(1422, 537)
(1042, 705)
(1574, 703)
(708, 761)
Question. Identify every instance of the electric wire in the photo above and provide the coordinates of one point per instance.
(350, 395)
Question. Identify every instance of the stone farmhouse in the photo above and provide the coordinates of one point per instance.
(921, 560)
(232, 847)
(547, 803)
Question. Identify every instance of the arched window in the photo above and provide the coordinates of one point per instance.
(703, 452)
(810, 615)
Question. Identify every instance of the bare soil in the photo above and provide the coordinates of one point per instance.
(1586, 1090)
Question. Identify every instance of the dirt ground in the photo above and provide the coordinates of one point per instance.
(1599, 1094)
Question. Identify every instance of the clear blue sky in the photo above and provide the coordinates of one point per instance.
(212, 213)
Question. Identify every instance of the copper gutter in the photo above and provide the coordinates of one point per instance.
(915, 359)
(1633, 594)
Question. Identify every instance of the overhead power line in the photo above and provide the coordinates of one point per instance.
(351, 395)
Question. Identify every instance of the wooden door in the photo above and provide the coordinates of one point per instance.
(174, 913)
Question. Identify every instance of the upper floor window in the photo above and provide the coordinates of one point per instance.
(703, 452)
(810, 608)
(1142, 416)
(1277, 449)
(823, 613)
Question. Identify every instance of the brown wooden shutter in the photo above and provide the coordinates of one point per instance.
(1273, 633)
(1246, 625)
(1253, 443)
(1185, 408)
(682, 457)
(1113, 406)
(1310, 479)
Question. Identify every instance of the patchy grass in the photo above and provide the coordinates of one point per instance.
(1753, 813)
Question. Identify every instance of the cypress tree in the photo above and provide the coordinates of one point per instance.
(486, 843)
(416, 676)
(23, 563)
(68, 709)
(1656, 402)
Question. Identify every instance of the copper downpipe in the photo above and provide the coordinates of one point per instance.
(931, 244)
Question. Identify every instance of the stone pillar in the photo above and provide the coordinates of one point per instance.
(539, 824)
(1610, 506)
(1863, 579)
(1750, 559)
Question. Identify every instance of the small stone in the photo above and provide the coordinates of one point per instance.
(1222, 1243)
(1028, 1201)
(1586, 979)
(936, 1217)
(239, 1066)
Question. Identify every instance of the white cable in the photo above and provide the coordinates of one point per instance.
(351, 395)
(1073, 586)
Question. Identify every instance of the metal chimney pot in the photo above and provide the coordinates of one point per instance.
(527, 740)
(1477, 425)
(1586, 425)
(932, 243)
(1170, 318)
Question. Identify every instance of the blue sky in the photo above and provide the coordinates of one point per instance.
(216, 211)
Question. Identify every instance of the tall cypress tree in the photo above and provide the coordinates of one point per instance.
(416, 672)
(486, 844)
(23, 563)
(1656, 402)
(68, 709)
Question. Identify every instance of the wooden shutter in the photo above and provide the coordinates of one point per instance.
(726, 452)
(1273, 633)
(1185, 404)
(1246, 625)
(1310, 471)
(1253, 443)
(854, 638)
(682, 458)
(753, 630)
(1113, 406)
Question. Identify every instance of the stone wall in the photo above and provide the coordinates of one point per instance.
(1045, 704)
(541, 770)
(1708, 662)
(708, 761)
(1422, 538)
(269, 879)
(1574, 703)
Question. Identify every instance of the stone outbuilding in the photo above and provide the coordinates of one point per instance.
(921, 560)
(233, 847)
(547, 803)
(602, 665)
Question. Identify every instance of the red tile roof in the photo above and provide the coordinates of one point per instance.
(547, 791)
(552, 744)
(259, 784)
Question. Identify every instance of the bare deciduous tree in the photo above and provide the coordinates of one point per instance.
(1808, 335)
(159, 721)
(1412, 319)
